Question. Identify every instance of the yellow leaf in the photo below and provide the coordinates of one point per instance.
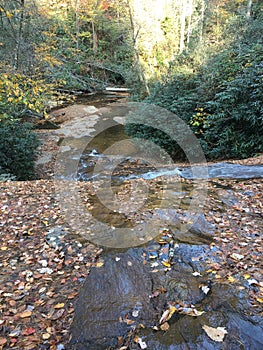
(260, 300)
(246, 276)
(166, 263)
(4, 248)
(167, 314)
(8, 14)
(59, 306)
(231, 279)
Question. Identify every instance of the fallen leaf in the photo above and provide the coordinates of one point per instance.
(72, 295)
(29, 331)
(15, 333)
(166, 263)
(167, 314)
(165, 326)
(196, 274)
(216, 334)
(191, 312)
(3, 341)
(58, 314)
(231, 279)
(46, 336)
(128, 322)
(205, 289)
(141, 343)
(59, 306)
(25, 314)
(252, 281)
(236, 256)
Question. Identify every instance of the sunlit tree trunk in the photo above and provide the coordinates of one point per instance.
(202, 20)
(189, 29)
(19, 34)
(182, 29)
(135, 33)
(249, 8)
(77, 23)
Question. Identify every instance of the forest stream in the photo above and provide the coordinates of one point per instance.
(156, 288)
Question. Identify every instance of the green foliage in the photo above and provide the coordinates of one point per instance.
(18, 144)
(234, 127)
(21, 95)
(221, 98)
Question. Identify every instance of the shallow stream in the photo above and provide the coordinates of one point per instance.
(156, 240)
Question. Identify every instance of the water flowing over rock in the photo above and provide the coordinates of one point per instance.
(127, 296)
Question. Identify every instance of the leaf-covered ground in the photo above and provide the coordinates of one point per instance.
(39, 281)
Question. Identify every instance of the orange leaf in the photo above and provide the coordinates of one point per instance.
(25, 314)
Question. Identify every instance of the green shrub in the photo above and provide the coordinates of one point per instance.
(18, 144)
(234, 126)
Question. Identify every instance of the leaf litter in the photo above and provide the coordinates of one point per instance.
(39, 282)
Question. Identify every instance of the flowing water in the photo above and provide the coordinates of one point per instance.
(155, 239)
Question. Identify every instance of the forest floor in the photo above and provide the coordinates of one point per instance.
(40, 279)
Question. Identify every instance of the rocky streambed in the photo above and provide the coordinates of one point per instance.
(182, 247)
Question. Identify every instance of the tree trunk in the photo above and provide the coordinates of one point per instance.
(189, 29)
(19, 35)
(249, 9)
(202, 21)
(137, 64)
(77, 23)
(182, 29)
(95, 39)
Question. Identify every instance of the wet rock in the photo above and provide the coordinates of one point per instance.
(228, 170)
(111, 294)
(224, 308)
(201, 226)
(185, 226)
(228, 197)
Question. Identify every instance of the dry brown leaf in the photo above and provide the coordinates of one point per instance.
(25, 314)
(3, 341)
(165, 326)
(128, 322)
